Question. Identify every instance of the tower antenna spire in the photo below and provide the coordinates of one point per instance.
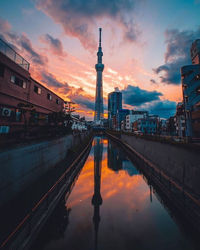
(99, 37)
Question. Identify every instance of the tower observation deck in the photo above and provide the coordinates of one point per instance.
(98, 116)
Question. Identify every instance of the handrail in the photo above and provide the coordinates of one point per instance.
(29, 216)
(13, 55)
(149, 163)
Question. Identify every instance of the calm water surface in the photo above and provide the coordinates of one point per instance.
(111, 207)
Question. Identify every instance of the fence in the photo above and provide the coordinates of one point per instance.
(13, 55)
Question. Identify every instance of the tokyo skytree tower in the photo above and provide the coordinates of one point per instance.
(98, 116)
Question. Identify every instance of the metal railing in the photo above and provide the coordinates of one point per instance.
(30, 225)
(177, 192)
(13, 55)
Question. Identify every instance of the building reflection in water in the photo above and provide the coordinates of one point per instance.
(114, 157)
(117, 160)
(97, 199)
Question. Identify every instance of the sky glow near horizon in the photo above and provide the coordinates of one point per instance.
(144, 44)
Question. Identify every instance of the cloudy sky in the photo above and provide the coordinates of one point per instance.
(145, 42)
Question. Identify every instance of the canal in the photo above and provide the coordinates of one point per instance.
(112, 207)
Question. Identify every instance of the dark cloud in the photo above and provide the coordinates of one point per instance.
(177, 54)
(54, 44)
(136, 96)
(78, 17)
(84, 101)
(153, 81)
(21, 44)
(164, 108)
(26, 45)
(51, 81)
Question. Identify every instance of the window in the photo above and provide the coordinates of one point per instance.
(186, 99)
(57, 101)
(37, 90)
(197, 77)
(18, 115)
(1, 70)
(198, 90)
(184, 86)
(49, 97)
(18, 81)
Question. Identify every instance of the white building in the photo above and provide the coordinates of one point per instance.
(134, 116)
(179, 120)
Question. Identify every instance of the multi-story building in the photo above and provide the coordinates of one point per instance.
(122, 117)
(148, 125)
(170, 126)
(179, 120)
(22, 99)
(195, 52)
(114, 106)
(163, 126)
(123, 127)
(134, 116)
(190, 76)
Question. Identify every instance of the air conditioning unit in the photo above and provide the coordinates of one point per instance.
(4, 129)
(6, 112)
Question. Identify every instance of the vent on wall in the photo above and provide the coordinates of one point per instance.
(6, 112)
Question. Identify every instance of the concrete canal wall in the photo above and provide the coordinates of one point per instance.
(179, 163)
(21, 166)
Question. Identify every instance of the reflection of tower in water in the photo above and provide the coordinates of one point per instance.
(96, 199)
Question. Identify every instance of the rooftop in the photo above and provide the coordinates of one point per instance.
(13, 55)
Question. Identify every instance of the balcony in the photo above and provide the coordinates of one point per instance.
(13, 55)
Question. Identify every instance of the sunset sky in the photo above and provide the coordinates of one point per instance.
(145, 42)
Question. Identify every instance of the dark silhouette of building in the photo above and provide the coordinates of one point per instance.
(114, 157)
(190, 78)
(114, 106)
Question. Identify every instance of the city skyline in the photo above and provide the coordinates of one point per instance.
(144, 48)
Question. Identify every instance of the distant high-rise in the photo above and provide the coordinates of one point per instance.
(195, 52)
(98, 116)
(114, 104)
(190, 77)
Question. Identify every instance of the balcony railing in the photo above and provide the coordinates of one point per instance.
(13, 55)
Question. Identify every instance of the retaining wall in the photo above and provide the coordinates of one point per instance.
(21, 166)
(181, 164)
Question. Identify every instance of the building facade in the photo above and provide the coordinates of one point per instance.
(133, 117)
(179, 120)
(114, 107)
(148, 125)
(22, 99)
(122, 117)
(190, 77)
(195, 52)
